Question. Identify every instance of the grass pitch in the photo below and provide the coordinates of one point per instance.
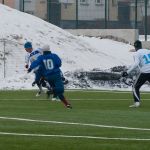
(99, 120)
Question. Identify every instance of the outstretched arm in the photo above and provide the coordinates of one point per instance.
(135, 65)
(34, 64)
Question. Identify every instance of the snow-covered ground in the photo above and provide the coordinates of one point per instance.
(77, 53)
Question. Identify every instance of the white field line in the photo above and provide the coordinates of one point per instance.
(74, 99)
(72, 136)
(99, 91)
(105, 91)
(75, 123)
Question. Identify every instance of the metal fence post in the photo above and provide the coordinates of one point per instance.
(145, 24)
(48, 10)
(4, 59)
(77, 21)
(105, 14)
(23, 5)
(135, 15)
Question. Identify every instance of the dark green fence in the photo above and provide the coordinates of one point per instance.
(101, 14)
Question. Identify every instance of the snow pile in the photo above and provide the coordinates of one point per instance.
(77, 53)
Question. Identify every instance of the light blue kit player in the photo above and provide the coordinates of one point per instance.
(142, 62)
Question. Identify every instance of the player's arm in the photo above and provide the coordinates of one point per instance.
(27, 61)
(135, 65)
(34, 64)
(58, 61)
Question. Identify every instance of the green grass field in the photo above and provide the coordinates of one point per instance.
(99, 120)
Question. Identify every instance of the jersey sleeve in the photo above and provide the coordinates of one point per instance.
(35, 63)
(136, 63)
(27, 59)
(58, 61)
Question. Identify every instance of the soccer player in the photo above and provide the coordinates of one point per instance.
(50, 64)
(141, 61)
(31, 56)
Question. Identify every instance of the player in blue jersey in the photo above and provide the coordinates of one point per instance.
(32, 55)
(50, 64)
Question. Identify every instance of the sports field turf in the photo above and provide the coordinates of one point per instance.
(99, 120)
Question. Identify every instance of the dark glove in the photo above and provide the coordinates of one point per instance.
(33, 84)
(65, 82)
(63, 79)
(29, 70)
(124, 74)
(26, 66)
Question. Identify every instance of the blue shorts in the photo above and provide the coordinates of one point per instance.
(56, 83)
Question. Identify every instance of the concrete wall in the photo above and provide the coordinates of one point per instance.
(146, 44)
(91, 11)
(128, 35)
(41, 9)
(68, 11)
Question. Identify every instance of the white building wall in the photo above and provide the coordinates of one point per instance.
(17, 4)
(67, 1)
(29, 6)
(91, 11)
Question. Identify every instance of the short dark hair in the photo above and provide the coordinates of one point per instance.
(138, 44)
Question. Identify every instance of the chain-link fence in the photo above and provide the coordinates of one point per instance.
(10, 55)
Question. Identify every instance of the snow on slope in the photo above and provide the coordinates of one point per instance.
(77, 53)
(28, 27)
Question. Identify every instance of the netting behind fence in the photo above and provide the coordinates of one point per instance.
(11, 58)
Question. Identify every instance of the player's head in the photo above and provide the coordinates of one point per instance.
(45, 48)
(28, 46)
(137, 45)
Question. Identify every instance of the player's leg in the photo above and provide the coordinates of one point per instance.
(59, 90)
(49, 85)
(37, 81)
(148, 77)
(141, 79)
(45, 84)
(64, 100)
(40, 90)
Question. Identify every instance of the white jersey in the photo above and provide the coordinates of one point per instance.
(30, 57)
(142, 61)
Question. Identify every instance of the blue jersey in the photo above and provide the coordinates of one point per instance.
(49, 63)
